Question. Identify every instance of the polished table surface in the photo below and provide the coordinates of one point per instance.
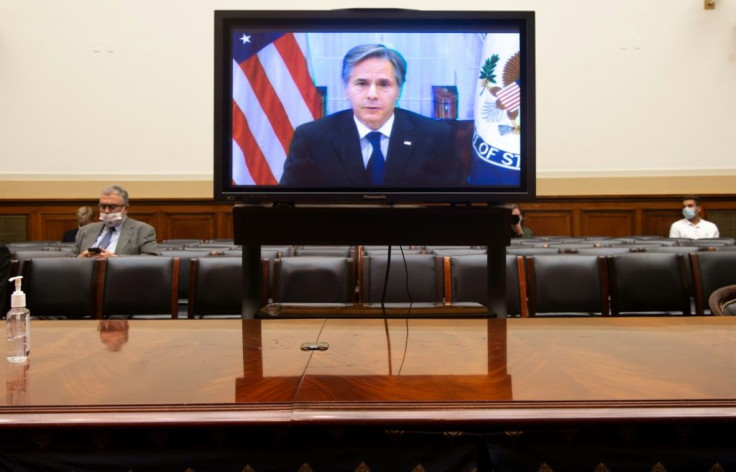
(424, 371)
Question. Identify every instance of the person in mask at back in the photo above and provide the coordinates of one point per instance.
(518, 228)
(693, 226)
(115, 234)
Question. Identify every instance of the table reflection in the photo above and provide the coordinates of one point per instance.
(376, 360)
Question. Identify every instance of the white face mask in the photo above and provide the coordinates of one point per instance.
(111, 219)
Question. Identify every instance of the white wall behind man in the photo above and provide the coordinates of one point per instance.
(97, 91)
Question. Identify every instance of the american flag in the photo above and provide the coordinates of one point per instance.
(510, 97)
(273, 93)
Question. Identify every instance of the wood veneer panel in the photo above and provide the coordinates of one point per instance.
(436, 371)
(547, 216)
(658, 222)
(192, 224)
(550, 223)
(612, 223)
(414, 361)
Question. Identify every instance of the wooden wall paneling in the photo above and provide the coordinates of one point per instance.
(195, 224)
(658, 222)
(547, 216)
(550, 222)
(53, 225)
(725, 220)
(225, 222)
(615, 223)
(143, 214)
(13, 228)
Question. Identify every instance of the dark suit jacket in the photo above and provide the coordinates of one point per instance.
(326, 153)
(135, 238)
(70, 235)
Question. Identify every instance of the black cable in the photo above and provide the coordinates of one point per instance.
(411, 302)
(383, 310)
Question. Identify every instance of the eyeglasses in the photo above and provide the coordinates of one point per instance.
(108, 206)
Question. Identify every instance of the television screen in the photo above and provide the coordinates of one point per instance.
(396, 106)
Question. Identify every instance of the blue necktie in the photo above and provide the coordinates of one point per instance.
(376, 163)
(106, 238)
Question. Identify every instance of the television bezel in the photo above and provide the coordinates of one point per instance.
(369, 20)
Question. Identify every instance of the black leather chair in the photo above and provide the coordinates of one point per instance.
(604, 251)
(216, 286)
(572, 248)
(22, 255)
(711, 271)
(184, 257)
(425, 278)
(649, 284)
(6, 269)
(722, 302)
(466, 279)
(336, 251)
(458, 252)
(710, 244)
(685, 251)
(530, 250)
(184, 241)
(313, 279)
(139, 285)
(567, 284)
(61, 286)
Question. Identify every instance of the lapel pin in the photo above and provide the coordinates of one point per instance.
(407, 143)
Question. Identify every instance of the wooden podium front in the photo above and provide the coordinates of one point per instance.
(256, 225)
(605, 393)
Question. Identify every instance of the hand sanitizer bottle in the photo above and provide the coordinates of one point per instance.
(18, 325)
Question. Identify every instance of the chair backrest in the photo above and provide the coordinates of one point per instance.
(425, 278)
(313, 279)
(337, 251)
(216, 286)
(6, 271)
(182, 241)
(711, 271)
(567, 284)
(139, 285)
(604, 251)
(268, 255)
(649, 283)
(23, 255)
(709, 244)
(572, 248)
(184, 257)
(62, 286)
(466, 279)
(722, 301)
(530, 250)
(395, 251)
(459, 252)
(724, 240)
(685, 251)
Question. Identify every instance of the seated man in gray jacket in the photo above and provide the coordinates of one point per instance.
(115, 234)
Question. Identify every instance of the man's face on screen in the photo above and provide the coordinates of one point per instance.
(372, 91)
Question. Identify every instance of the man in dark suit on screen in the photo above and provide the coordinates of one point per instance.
(375, 143)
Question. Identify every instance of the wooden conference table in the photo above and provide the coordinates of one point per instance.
(436, 374)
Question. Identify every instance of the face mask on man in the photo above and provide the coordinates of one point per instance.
(111, 219)
(689, 213)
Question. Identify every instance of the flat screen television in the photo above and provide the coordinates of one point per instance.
(463, 125)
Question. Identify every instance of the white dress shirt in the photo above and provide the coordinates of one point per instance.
(684, 228)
